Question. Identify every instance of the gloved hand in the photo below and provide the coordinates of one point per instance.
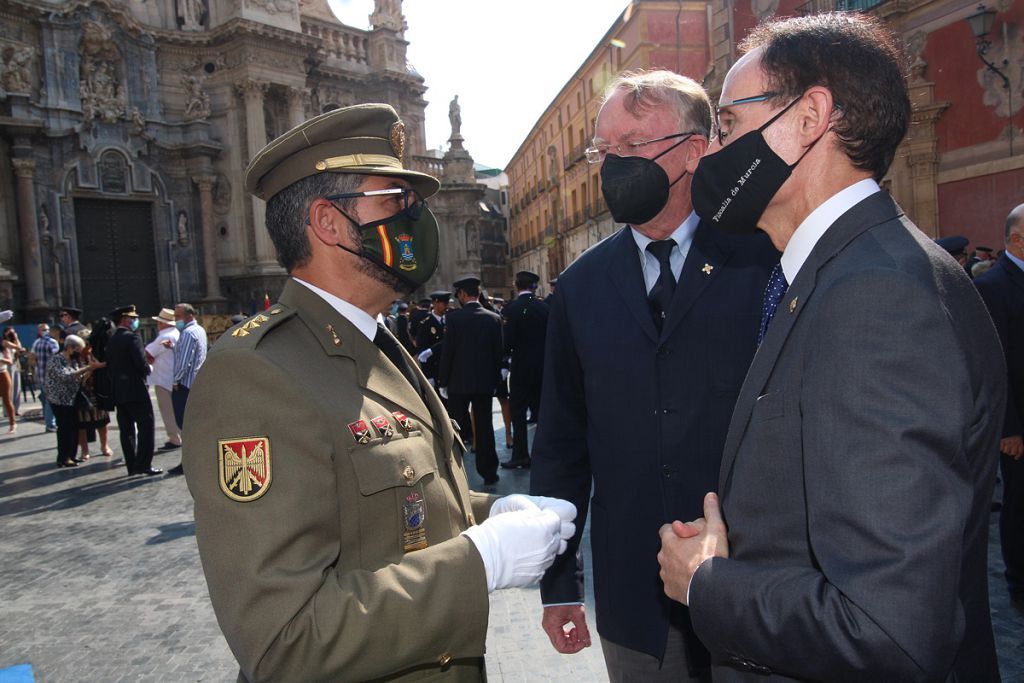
(504, 374)
(565, 510)
(444, 392)
(425, 356)
(517, 547)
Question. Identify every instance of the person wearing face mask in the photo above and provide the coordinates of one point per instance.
(848, 538)
(128, 370)
(637, 395)
(64, 376)
(189, 356)
(337, 532)
(160, 355)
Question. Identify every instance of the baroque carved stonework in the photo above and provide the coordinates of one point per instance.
(764, 9)
(17, 69)
(272, 6)
(102, 82)
(1007, 52)
(197, 101)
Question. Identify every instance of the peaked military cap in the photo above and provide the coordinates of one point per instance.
(73, 312)
(440, 296)
(954, 244)
(425, 301)
(466, 281)
(533, 278)
(122, 311)
(368, 139)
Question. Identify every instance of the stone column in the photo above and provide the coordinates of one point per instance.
(205, 183)
(256, 138)
(296, 107)
(28, 233)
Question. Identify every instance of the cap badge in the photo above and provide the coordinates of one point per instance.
(244, 467)
(398, 138)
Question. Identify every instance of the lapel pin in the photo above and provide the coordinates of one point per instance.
(792, 304)
(334, 335)
(707, 268)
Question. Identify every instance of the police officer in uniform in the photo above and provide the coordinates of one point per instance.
(470, 369)
(526, 326)
(417, 316)
(431, 334)
(128, 370)
(338, 536)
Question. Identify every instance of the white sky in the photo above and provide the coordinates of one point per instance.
(505, 60)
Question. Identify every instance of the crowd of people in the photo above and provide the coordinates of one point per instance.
(86, 372)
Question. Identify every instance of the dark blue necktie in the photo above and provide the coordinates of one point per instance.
(773, 294)
(661, 293)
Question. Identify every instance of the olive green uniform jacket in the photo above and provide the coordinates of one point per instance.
(329, 499)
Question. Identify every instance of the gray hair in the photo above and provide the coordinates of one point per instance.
(73, 341)
(187, 309)
(287, 211)
(1013, 221)
(681, 95)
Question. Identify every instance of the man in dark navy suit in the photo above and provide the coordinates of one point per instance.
(469, 370)
(1002, 289)
(649, 338)
(526, 326)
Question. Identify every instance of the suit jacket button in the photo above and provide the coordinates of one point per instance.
(444, 660)
(663, 351)
(409, 473)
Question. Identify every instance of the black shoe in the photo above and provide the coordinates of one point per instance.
(491, 481)
(175, 471)
(67, 463)
(168, 446)
(151, 472)
(514, 464)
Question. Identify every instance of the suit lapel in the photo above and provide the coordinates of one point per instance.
(1012, 271)
(339, 337)
(703, 262)
(876, 209)
(628, 278)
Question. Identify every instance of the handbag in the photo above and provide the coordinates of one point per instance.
(83, 402)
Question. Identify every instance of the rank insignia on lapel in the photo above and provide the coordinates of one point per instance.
(244, 467)
(360, 432)
(406, 255)
(384, 427)
(414, 536)
(707, 268)
(403, 421)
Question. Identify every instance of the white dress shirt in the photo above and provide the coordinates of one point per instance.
(363, 321)
(163, 358)
(683, 237)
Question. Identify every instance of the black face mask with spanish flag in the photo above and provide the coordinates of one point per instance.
(405, 244)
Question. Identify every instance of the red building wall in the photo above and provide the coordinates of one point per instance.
(977, 207)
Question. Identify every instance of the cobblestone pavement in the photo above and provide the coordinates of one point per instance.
(100, 580)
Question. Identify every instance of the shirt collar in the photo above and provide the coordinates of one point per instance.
(814, 226)
(1016, 261)
(682, 236)
(363, 321)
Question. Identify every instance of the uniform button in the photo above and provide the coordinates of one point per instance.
(471, 518)
(409, 473)
(667, 471)
(663, 351)
(445, 659)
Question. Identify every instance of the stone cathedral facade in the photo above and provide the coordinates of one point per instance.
(125, 126)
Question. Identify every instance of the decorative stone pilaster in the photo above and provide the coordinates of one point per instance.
(24, 170)
(205, 182)
(296, 107)
(252, 93)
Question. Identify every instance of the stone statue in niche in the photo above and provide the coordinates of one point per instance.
(192, 13)
(44, 225)
(17, 69)
(182, 228)
(455, 116)
(472, 239)
(101, 90)
(197, 101)
(113, 173)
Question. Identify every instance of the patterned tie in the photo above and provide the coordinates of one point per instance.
(773, 293)
(661, 293)
(389, 347)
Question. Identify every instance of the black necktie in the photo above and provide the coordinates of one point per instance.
(389, 347)
(773, 293)
(661, 293)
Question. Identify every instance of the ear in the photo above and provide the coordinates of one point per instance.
(694, 151)
(815, 112)
(326, 222)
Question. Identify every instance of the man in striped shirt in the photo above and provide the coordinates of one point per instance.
(189, 355)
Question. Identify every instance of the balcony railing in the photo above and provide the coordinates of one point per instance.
(819, 6)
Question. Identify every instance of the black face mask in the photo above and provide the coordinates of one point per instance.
(732, 187)
(636, 188)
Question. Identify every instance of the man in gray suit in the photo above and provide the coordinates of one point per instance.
(848, 538)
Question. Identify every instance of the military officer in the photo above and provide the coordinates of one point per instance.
(417, 316)
(526, 326)
(339, 538)
(470, 369)
(431, 334)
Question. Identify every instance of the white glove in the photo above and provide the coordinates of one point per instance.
(425, 356)
(565, 510)
(6, 315)
(516, 547)
(444, 392)
(504, 374)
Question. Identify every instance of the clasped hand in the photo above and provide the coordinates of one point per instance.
(685, 546)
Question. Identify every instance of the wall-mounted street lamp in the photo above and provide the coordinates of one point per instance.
(981, 26)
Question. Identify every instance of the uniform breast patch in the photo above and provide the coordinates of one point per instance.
(414, 537)
(244, 467)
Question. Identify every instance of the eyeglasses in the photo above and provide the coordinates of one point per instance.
(763, 97)
(406, 200)
(596, 154)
